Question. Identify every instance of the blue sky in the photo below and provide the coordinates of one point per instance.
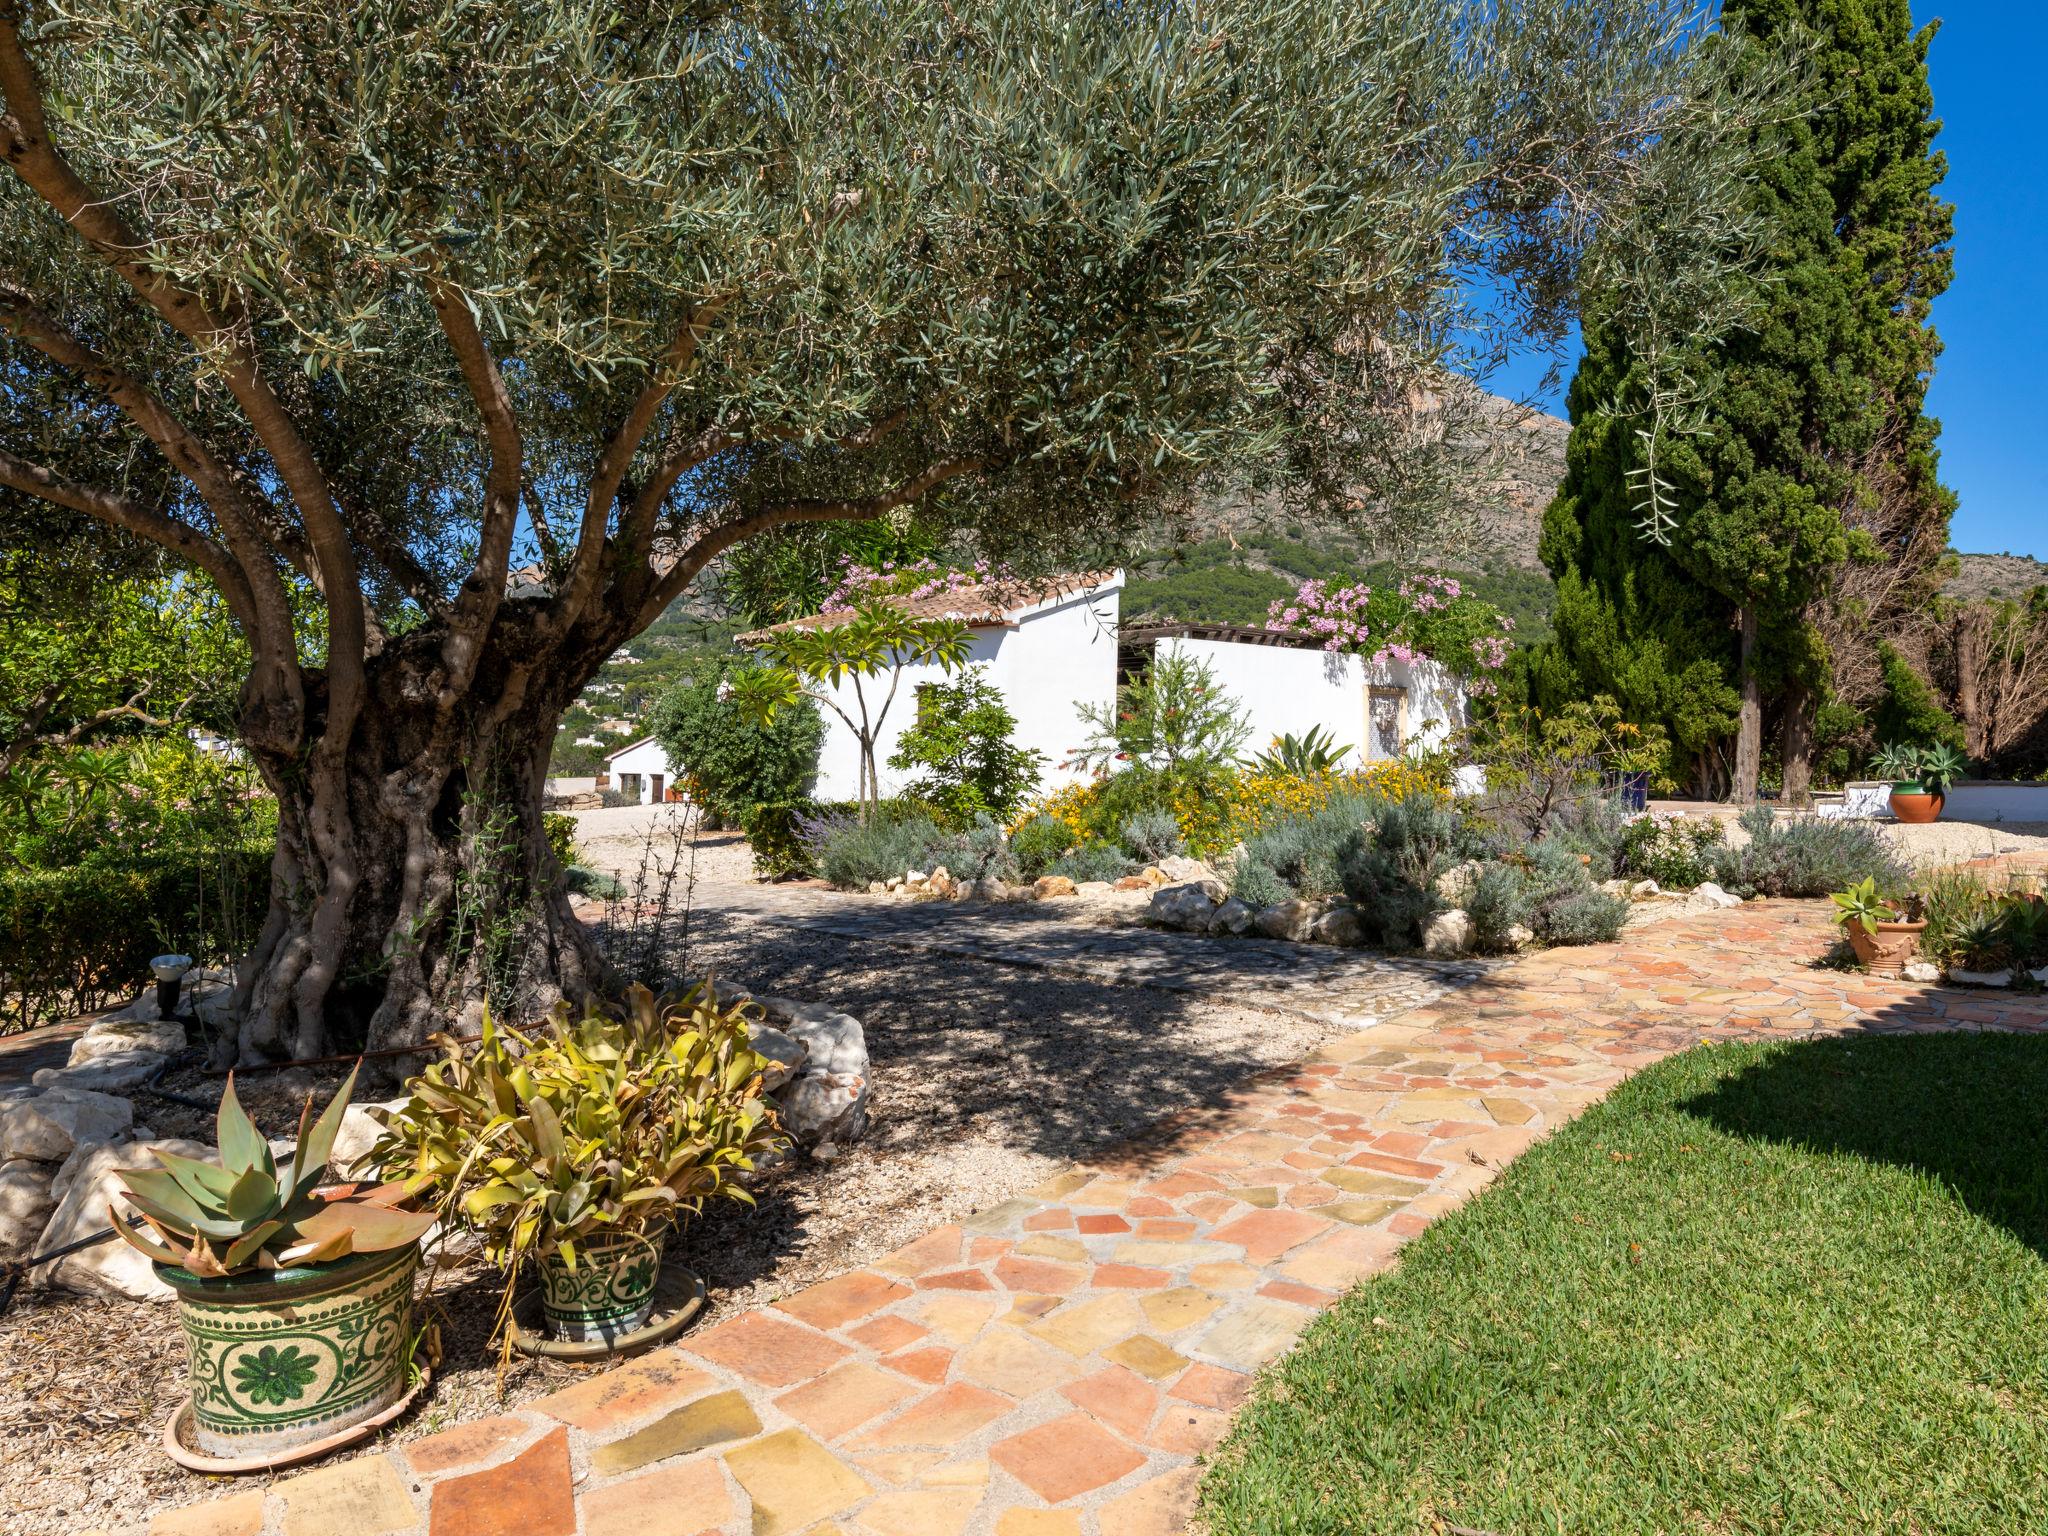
(1991, 383)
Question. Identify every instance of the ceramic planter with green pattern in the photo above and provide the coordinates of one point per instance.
(610, 1292)
(281, 1358)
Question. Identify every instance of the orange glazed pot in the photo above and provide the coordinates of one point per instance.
(1914, 805)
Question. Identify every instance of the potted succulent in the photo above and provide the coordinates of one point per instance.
(575, 1148)
(1981, 950)
(295, 1295)
(1883, 936)
(1920, 778)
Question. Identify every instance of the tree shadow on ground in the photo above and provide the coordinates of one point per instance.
(1965, 1108)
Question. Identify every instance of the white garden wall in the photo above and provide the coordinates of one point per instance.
(1288, 690)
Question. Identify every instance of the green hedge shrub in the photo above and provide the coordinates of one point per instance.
(734, 760)
(560, 829)
(77, 938)
(775, 835)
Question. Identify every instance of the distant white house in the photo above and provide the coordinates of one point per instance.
(641, 771)
(1287, 684)
(1048, 645)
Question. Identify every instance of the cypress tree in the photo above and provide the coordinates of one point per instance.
(1812, 454)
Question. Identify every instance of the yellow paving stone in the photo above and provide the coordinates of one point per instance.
(1334, 1270)
(351, 1498)
(1081, 1328)
(1181, 1307)
(972, 1473)
(1045, 1247)
(1227, 1276)
(1265, 1196)
(1027, 1308)
(1165, 1255)
(1364, 1181)
(901, 1468)
(1111, 1192)
(1038, 1522)
(793, 1481)
(1360, 1213)
(1147, 1356)
(239, 1515)
(1060, 1185)
(1008, 1361)
(939, 1512)
(1509, 1111)
(708, 1421)
(957, 1316)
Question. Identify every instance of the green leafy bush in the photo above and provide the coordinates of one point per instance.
(1675, 851)
(1909, 711)
(1805, 856)
(1390, 872)
(734, 758)
(1151, 836)
(1302, 856)
(1039, 844)
(774, 832)
(1497, 901)
(961, 739)
(560, 830)
(76, 938)
(1174, 714)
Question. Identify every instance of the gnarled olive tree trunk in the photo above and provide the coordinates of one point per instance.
(413, 884)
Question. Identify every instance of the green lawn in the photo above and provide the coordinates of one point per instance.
(1794, 1288)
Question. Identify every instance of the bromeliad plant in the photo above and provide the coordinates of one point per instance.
(248, 1213)
(608, 1125)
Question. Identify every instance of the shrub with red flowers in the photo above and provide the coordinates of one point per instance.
(1424, 616)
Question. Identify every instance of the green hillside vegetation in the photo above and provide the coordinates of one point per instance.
(666, 655)
(1216, 582)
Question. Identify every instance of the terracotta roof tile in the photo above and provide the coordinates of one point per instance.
(979, 605)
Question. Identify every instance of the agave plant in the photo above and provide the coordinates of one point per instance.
(247, 1212)
(1898, 762)
(592, 1127)
(1316, 753)
(1983, 942)
(1940, 767)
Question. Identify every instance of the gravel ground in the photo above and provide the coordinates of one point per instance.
(988, 1078)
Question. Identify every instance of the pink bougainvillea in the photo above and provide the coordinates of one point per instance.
(1424, 616)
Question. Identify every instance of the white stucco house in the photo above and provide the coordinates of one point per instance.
(1287, 684)
(1049, 645)
(641, 771)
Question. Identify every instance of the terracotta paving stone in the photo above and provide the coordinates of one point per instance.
(1253, 1333)
(1040, 1275)
(629, 1392)
(938, 1249)
(530, 1494)
(844, 1398)
(1407, 1166)
(466, 1445)
(1171, 1229)
(883, 1334)
(955, 1316)
(1066, 1457)
(1300, 1295)
(946, 1417)
(1147, 1205)
(1265, 1235)
(1188, 1430)
(1058, 1220)
(348, 1498)
(764, 1348)
(711, 1420)
(240, 1514)
(1008, 1361)
(1026, 1308)
(793, 1481)
(1120, 1397)
(839, 1301)
(927, 1365)
(1160, 1507)
(1129, 1277)
(1211, 1386)
(1095, 1225)
(936, 1512)
(668, 1501)
(956, 1280)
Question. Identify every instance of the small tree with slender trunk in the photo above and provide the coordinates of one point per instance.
(354, 309)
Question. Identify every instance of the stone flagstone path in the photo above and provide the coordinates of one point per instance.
(1058, 1365)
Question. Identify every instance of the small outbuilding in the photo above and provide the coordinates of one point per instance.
(641, 771)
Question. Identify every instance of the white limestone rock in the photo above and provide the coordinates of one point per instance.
(1457, 882)
(86, 1187)
(362, 1127)
(46, 1126)
(1643, 890)
(1339, 925)
(1922, 970)
(1233, 917)
(1519, 936)
(786, 1056)
(1289, 919)
(1712, 895)
(826, 1107)
(1448, 933)
(1179, 869)
(1189, 907)
(25, 1206)
(122, 1037)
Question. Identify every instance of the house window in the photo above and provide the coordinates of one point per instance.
(629, 784)
(1386, 721)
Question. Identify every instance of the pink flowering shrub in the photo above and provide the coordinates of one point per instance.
(1430, 616)
(912, 579)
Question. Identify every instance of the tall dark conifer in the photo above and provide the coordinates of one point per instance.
(1814, 462)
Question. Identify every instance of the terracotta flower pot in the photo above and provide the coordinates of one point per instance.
(1888, 951)
(1914, 806)
(280, 1358)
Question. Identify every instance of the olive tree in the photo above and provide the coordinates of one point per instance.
(454, 340)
